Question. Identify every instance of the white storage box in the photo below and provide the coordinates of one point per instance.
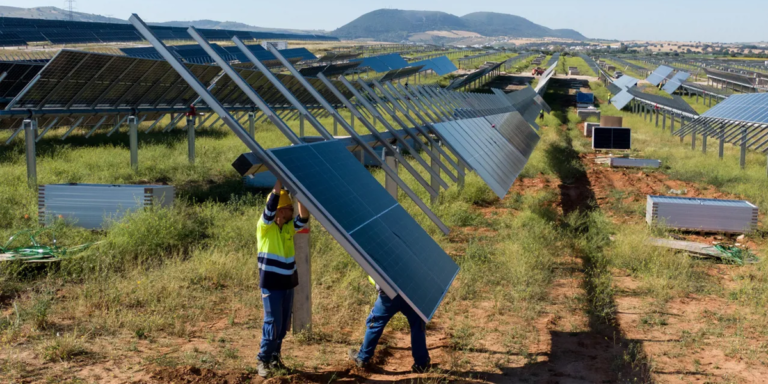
(623, 162)
(709, 215)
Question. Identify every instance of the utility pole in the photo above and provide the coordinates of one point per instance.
(71, 7)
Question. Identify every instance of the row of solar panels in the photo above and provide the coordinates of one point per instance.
(20, 31)
(193, 53)
(625, 90)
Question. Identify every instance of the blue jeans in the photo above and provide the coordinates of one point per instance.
(380, 315)
(278, 307)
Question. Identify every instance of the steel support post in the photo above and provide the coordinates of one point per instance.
(133, 140)
(693, 140)
(302, 294)
(664, 121)
(704, 143)
(335, 128)
(252, 124)
(743, 157)
(191, 137)
(721, 152)
(301, 126)
(30, 134)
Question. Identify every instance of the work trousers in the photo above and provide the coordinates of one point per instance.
(383, 311)
(278, 306)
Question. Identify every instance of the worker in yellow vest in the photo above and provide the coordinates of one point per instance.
(277, 271)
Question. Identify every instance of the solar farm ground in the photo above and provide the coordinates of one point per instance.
(556, 283)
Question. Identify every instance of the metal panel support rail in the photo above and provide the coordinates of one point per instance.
(301, 193)
(391, 173)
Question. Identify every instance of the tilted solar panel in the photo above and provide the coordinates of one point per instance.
(622, 99)
(393, 242)
(659, 75)
(626, 82)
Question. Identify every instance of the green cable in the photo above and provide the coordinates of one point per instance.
(36, 252)
(735, 255)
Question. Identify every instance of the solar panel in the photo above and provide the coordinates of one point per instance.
(498, 154)
(611, 138)
(440, 65)
(671, 86)
(626, 82)
(383, 63)
(681, 76)
(401, 73)
(622, 99)
(749, 108)
(392, 240)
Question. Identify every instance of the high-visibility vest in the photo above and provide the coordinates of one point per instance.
(277, 266)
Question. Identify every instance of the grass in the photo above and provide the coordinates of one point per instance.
(578, 62)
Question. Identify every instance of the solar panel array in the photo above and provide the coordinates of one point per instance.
(196, 55)
(622, 99)
(749, 108)
(19, 31)
(440, 65)
(76, 82)
(382, 63)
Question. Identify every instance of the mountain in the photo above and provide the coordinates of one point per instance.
(500, 24)
(396, 25)
(53, 13)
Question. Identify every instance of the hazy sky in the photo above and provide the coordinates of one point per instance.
(683, 20)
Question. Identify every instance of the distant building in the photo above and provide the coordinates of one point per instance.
(279, 45)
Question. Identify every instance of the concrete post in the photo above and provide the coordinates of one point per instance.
(435, 167)
(389, 183)
(302, 294)
(252, 124)
(191, 138)
(743, 157)
(30, 134)
(133, 140)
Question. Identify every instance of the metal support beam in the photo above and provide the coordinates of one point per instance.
(435, 162)
(389, 183)
(721, 152)
(30, 133)
(133, 139)
(252, 124)
(743, 157)
(191, 137)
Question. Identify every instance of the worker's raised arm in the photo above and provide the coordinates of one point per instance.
(270, 211)
(303, 217)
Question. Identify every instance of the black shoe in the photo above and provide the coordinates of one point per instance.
(353, 356)
(263, 369)
(277, 363)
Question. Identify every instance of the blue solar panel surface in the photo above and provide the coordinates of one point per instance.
(750, 108)
(440, 65)
(383, 63)
(621, 100)
(392, 240)
(626, 82)
(659, 75)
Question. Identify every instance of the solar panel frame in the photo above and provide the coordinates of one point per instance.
(611, 138)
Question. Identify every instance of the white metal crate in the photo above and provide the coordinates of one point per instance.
(709, 215)
(91, 205)
(623, 162)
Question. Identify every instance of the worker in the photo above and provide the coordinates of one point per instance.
(277, 272)
(383, 310)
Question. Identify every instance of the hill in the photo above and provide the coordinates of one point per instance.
(397, 25)
(53, 13)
